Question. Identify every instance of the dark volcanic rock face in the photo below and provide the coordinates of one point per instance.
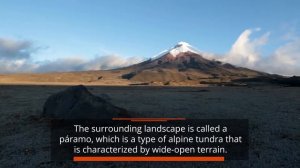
(77, 102)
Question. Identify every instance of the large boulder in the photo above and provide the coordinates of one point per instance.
(77, 102)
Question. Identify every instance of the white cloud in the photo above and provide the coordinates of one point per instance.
(17, 65)
(110, 62)
(285, 60)
(78, 64)
(11, 49)
(15, 57)
(245, 52)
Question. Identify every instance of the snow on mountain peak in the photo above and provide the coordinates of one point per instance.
(182, 47)
(182, 43)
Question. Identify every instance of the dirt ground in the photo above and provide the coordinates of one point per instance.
(273, 113)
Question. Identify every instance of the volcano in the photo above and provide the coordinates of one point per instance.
(185, 64)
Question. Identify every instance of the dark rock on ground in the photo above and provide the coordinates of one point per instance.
(104, 96)
(77, 102)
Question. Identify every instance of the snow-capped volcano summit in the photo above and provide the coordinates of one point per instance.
(182, 47)
(178, 49)
(182, 43)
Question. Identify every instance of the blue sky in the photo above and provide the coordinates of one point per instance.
(66, 28)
